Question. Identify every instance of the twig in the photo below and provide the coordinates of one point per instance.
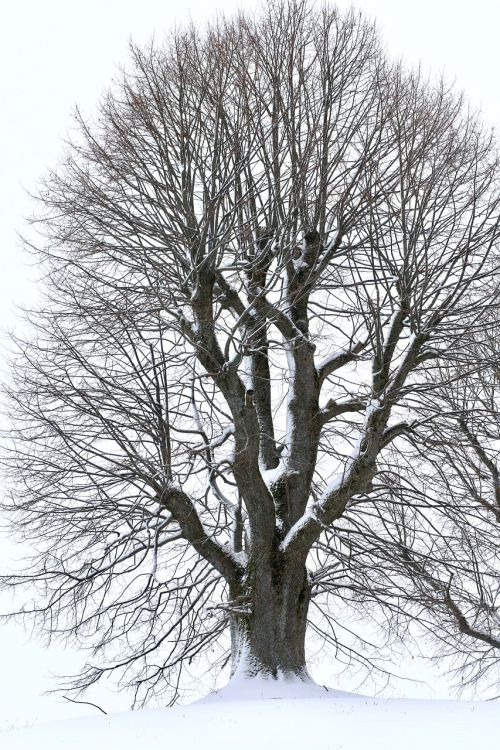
(87, 703)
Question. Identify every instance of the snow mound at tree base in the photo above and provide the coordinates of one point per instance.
(234, 719)
(260, 688)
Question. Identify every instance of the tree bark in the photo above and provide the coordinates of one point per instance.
(269, 618)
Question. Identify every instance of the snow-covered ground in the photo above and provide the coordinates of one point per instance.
(267, 715)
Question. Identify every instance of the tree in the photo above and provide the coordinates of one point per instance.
(259, 258)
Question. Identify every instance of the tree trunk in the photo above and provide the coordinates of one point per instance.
(269, 620)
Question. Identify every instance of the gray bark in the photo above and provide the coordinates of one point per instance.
(268, 633)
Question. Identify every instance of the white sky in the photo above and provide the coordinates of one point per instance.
(55, 53)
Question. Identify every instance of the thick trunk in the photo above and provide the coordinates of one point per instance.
(268, 636)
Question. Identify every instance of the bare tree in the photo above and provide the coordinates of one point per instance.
(258, 258)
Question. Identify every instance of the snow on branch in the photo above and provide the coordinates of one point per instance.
(338, 359)
(217, 442)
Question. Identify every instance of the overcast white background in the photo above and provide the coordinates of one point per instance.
(56, 53)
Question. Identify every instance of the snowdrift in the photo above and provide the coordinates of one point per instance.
(265, 715)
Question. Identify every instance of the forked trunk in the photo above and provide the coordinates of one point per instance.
(268, 629)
